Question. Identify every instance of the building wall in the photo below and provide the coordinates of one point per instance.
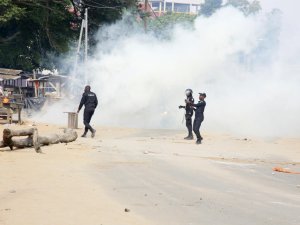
(179, 6)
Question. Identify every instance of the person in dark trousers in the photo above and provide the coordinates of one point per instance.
(188, 113)
(199, 117)
(90, 102)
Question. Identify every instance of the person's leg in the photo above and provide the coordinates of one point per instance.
(85, 122)
(90, 127)
(201, 138)
(196, 128)
(87, 115)
(188, 123)
(86, 130)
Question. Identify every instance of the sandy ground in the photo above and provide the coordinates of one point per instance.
(155, 174)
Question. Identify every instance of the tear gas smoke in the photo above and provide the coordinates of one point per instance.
(248, 66)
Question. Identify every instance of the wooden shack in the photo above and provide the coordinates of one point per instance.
(15, 82)
(18, 87)
(35, 84)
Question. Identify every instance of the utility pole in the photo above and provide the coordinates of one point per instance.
(83, 28)
(86, 35)
(78, 46)
(146, 14)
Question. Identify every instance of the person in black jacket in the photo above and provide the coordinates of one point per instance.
(188, 113)
(90, 102)
(199, 117)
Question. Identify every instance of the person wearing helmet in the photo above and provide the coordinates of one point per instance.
(90, 102)
(199, 116)
(188, 112)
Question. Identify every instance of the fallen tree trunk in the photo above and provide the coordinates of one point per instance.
(34, 140)
(8, 134)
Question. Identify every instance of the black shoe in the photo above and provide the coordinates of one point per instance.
(189, 138)
(198, 142)
(83, 135)
(201, 138)
(93, 133)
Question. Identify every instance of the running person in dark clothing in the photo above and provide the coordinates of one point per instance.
(90, 102)
(199, 117)
(188, 113)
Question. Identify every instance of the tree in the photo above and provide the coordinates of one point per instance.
(34, 32)
(210, 7)
(248, 8)
(167, 21)
(245, 6)
(9, 11)
(40, 27)
(254, 7)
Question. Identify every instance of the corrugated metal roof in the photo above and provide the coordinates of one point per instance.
(9, 77)
(10, 72)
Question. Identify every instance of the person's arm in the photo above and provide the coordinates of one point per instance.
(181, 107)
(83, 100)
(96, 101)
(198, 104)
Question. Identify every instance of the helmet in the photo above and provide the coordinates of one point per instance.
(188, 92)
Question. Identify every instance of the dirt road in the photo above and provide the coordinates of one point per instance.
(155, 174)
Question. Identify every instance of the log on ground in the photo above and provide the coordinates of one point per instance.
(35, 140)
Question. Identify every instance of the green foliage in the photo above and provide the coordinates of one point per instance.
(248, 8)
(8, 11)
(245, 6)
(33, 33)
(210, 7)
(43, 26)
(254, 8)
(168, 21)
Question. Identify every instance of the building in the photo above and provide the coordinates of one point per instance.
(30, 84)
(15, 81)
(176, 6)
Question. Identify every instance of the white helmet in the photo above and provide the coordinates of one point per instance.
(188, 92)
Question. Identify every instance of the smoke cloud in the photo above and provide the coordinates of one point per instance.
(248, 67)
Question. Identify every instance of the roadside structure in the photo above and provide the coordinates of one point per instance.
(20, 89)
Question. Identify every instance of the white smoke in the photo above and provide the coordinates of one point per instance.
(248, 66)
